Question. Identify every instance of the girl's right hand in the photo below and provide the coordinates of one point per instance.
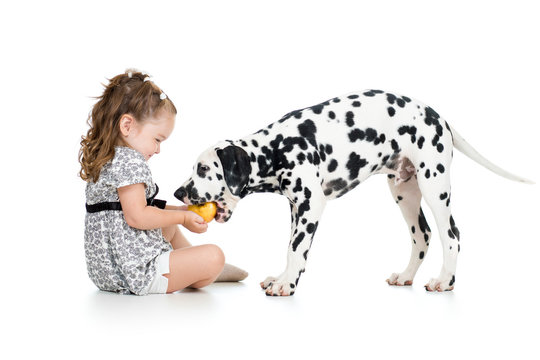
(194, 222)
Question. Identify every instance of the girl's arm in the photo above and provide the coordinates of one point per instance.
(141, 216)
(173, 207)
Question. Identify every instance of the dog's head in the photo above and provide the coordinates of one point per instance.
(221, 174)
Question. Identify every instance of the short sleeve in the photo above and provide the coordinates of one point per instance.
(129, 167)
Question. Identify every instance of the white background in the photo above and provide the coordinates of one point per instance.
(232, 67)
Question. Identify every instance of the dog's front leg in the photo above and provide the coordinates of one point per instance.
(307, 205)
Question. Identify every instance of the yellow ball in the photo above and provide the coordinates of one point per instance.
(207, 210)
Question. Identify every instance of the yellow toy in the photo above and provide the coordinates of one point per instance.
(207, 210)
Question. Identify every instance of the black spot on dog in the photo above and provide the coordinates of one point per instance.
(443, 196)
(354, 165)
(284, 184)
(371, 134)
(322, 153)
(304, 206)
(411, 130)
(307, 130)
(356, 104)
(424, 227)
(420, 142)
(440, 148)
(372, 93)
(311, 228)
(298, 240)
(395, 146)
(356, 134)
(335, 185)
(333, 165)
(349, 118)
(441, 169)
(432, 118)
(317, 109)
(329, 149)
(421, 255)
(453, 227)
(391, 111)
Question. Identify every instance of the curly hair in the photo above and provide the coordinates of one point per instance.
(129, 93)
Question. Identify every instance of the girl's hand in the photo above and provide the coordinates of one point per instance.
(194, 222)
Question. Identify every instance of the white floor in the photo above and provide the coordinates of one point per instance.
(343, 308)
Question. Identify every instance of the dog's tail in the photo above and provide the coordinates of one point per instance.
(469, 151)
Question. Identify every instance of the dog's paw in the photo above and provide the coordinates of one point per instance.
(445, 284)
(274, 287)
(267, 282)
(399, 279)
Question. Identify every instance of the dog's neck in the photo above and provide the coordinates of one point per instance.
(267, 173)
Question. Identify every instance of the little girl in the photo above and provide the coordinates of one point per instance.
(132, 241)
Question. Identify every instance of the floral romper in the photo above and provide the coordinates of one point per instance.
(118, 257)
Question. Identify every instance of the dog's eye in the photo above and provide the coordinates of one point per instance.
(202, 170)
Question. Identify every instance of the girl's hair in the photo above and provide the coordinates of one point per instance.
(129, 93)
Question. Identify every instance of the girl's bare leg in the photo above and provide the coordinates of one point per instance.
(194, 267)
(173, 235)
(230, 273)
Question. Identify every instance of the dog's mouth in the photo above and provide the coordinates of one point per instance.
(223, 213)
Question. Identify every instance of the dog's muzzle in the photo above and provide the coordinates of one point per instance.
(180, 194)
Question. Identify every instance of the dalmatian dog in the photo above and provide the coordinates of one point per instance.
(322, 152)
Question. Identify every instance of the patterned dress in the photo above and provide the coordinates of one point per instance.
(118, 257)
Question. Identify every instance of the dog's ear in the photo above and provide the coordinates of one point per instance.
(236, 169)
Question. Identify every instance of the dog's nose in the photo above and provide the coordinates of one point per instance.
(180, 194)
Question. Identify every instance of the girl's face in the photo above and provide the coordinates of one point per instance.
(147, 136)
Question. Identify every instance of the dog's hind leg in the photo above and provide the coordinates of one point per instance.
(307, 205)
(408, 196)
(436, 192)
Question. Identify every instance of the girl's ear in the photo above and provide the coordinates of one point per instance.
(126, 124)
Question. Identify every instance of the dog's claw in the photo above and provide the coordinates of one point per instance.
(274, 287)
(394, 280)
(437, 285)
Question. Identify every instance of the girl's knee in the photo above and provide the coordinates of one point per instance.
(216, 256)
(215, 259)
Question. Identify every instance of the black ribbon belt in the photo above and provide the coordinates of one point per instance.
(115, 205)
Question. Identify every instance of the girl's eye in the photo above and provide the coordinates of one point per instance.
(158, 141)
